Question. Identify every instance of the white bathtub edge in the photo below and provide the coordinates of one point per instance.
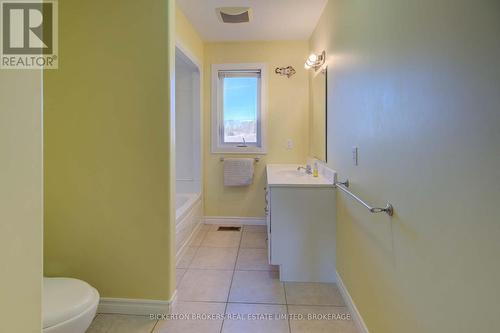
(191, 216)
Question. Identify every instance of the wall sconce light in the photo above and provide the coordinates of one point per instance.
(285, 71)
(315, 61)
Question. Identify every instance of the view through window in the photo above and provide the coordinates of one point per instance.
(239, 108)
(240, 117)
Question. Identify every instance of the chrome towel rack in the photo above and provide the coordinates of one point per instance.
(256, 159)
(388, 209)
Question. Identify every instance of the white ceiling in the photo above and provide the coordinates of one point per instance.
(272, 19)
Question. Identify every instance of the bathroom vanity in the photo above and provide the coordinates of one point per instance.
(301, 224)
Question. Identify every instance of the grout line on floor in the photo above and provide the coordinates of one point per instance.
(232, 278)
(257, 303)
(287, 311)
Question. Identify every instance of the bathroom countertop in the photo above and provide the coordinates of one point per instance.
(287, 175)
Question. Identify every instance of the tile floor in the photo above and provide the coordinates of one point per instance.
(226, 272)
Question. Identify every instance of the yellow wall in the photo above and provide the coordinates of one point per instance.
(414, 84)
(107, 148)
(287, 119)
(187, 37)
(20, 200)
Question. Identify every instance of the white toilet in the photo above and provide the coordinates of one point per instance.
(69, 305)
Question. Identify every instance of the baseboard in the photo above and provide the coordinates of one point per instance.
(233, 220)
(141, 307)
(356, 316)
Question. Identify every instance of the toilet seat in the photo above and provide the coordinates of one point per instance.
(66, 300)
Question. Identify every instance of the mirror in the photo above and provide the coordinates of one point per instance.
(317, 139)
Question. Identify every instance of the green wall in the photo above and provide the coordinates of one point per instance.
(108, 148)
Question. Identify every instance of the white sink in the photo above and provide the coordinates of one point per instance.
(292, 173)
(288, 175)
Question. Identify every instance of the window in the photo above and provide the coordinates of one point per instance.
(238, 112)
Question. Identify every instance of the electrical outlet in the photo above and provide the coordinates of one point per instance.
(289, 144)
(355, 155)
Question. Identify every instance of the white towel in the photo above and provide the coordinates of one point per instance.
(238, 171)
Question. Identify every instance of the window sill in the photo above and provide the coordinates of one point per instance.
(239, 150)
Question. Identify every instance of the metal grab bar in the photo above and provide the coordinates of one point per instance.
(389, 209)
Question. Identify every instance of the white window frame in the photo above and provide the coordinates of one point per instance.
(218, 146)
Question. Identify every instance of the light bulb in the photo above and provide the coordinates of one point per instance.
(312, 58)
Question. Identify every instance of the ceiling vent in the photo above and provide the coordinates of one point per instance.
(234, 14)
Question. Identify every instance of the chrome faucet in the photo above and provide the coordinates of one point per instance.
(307, 169)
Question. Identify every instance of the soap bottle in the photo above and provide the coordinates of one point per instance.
(315, 169)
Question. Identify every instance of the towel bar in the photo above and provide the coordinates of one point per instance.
(256, 159)
(388, 209)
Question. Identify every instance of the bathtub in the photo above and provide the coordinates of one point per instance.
(188, 213)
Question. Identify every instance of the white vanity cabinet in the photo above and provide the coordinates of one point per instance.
(301, 224)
